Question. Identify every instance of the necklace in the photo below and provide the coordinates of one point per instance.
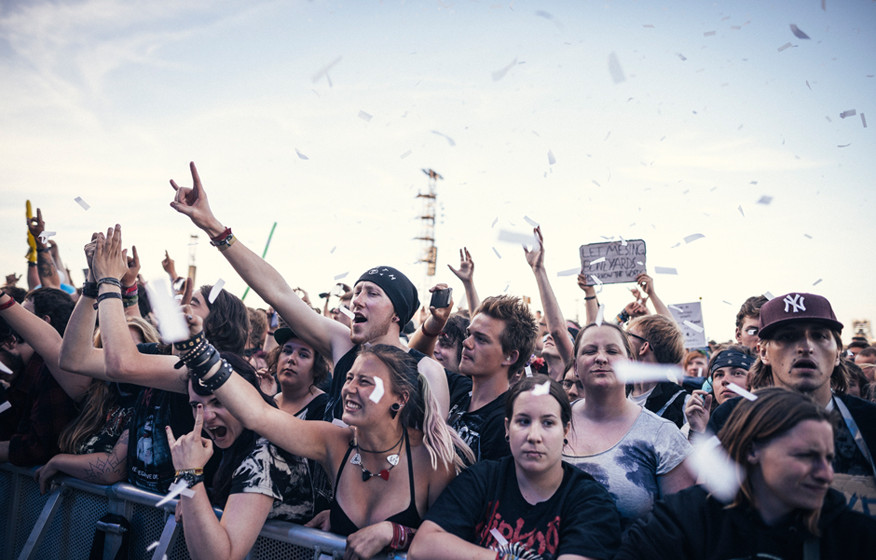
(391, 459)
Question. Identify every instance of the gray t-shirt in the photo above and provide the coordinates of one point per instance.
(651, 448)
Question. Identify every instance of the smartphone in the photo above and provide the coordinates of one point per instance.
(440, 298)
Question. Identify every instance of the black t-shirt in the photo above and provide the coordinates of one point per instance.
(483, 430)
(580, 518)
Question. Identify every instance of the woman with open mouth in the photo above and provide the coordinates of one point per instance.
(255, 480)
(783, 444)
(393, 430)
(530, 505)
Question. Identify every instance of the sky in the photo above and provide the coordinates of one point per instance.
(596, 120)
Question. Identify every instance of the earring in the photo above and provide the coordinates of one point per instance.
(508, 439)
(565, 441)
(393, 410)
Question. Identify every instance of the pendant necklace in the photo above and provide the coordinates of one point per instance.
(391, 459)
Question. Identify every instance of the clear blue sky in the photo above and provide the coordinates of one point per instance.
(108, 100)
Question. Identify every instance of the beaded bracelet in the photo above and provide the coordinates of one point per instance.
(110, 280)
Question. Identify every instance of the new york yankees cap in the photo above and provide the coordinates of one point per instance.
(796, 306)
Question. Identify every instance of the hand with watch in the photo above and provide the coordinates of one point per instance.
(191, 451)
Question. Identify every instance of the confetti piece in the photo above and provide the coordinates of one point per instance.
(78, 200)
(709, 33)
(171, 324)
(324, 71)
(640, 263)
(675, 308)
(542, 389)
(768, 295)
(530, 221)
(817, 282)
(569, 272)
(5, 406)
(364, 116)
(498, 536)
(181, 487)
(798, 33)
(693, 237)
(843, 145)
(715, 470)
(346, 311)
(498, 255)
(595, 183)
(597, 261)
(727, 302)
(377, 393)
(406, 154)
(740, 211)
(448, 138)
(551, 159)
(5, 369)
(741, 392)
(614, 68)
(495, 221)
(807, 236)
(849, 113)
(765, 200)
(807, 84)
(648, 25)
(623, 241)
(599, 315)
(664, 270)
(693, 326)
(596, 279)
(785, 46)
(342, 275)
(45, 235)
(300, 155)
(641, 372)
(863, 120)
(339, 422)
(682, 57)
(527, 239)
(499, 74)
(332, 251)
(216, 290)
(527, 371)
(152, 546)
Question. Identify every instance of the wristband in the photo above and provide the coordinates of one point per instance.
(588, 298)
(209, 386)
(225, 233)
(427, 333)
(131, 290)
(191, 476)
(401, 537)
(89, 289)
(186, 345)
(8, 304)
(623, 316)
(110, 280)
(130, 301)
(42, 249)
(106, 296)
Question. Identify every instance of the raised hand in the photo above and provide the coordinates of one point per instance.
(535, 257)
(191, 451)
(36, 226)
(697, 409)
(193, 201)
(465, 272)
(110, 261)
(130, 277)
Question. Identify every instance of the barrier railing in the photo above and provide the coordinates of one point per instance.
(61, 524)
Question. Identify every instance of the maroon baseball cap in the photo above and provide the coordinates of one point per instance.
(795, 307)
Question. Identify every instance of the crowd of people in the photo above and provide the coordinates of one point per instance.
(489, 431)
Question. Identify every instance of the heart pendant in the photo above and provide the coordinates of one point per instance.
(384, 474)
(392, 459)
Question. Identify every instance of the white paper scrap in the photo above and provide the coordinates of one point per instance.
(346, 311)
(300, 155)
(599, 315)
(500, 73)
(364, 116)
(727, 302)
(342, 275)
(817, 282)
(530, 221)
(45, 235)
(502, 541)
(216, 290)
(181, 487)
(640, 372)
(711, 465)
(665, 270)
(740, 211)
(171, 323)
(551, 159)
(693, 237)
(5, 369)
(78, 200)
(614, 68)
(542, 388)
(863, 120)
(497, 252)
(807, 236)
(849, 113)
(152, 546)
(597, 261)
(596, 279)
(765, 200)
(406, 154)
(768, 295)
(741, 392)
(785, 46)
(527, 371)
(693, 326)
(798, 33)
(675, 308)
(5, 406)
(517, 238)
(377, 393)
(495, 221)
(709, 33)
(569, 272)
(448, 138)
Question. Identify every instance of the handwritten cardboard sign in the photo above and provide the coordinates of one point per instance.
(689, 317)
(613, 262)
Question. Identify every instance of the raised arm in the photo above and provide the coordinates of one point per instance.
(123, 362)
(647, 285)
(553, 315)
(591, 304)
(425, 337)
(465, 273)
(48, 272)
(99, 468)
(326, 335)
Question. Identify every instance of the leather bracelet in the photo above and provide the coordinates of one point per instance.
(588, 298)
(209, 386)
(190, 343)
(427, 333)
(225, 233)
(110, 280)
(8, 304)
(190, 476)
(42, 250)
(89, 290)
(106, 296)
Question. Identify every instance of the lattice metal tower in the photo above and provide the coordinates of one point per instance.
(427, 219)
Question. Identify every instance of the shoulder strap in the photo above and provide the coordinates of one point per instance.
(669, 402)
(856, 433)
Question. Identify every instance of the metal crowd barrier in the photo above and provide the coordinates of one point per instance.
(61, 524)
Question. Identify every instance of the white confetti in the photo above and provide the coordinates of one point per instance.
(641, 372)
(78, 200)
(5, 369)
(5, 406)
(798, 33)
(527, 371)
(597, 261)
(849, 113)
(332, 251)
(406, 154)
(741, 392)
(171, 323)
(324, 71)
(499, 74)
(530, 221)
(693, 237)
(681, 56)
(45, 235)
(181, 487)
(640, 263)
(664, 270)
(711, 465)
(300, 155)
(152, 546)
(614, 68)
(498, 536)
(517, 238)
(727, 302)
(693, 326)
(768, 295)
(599, 315)
(497, 252)
(377, 393)
(346, 311)
(542, 389)
(740, 211)
(863, 120)
(765, 200)
(817, 282)
(596, 279)
(785, 46)
(448, 138)
(675, 308)
(216, 290)
(569, 272)
(364, 116)
(342, 275)
(709, 33)
(807, 236)
(552, 160)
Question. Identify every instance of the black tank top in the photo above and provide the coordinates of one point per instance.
(341, 524)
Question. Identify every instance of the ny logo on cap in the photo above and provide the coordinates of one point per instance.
(796, 302)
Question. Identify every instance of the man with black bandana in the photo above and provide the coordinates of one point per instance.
(384, 300)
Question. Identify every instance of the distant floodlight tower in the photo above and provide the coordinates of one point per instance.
(427, 230)
(193, 245)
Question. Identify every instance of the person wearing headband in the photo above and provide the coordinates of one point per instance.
(727, 366)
